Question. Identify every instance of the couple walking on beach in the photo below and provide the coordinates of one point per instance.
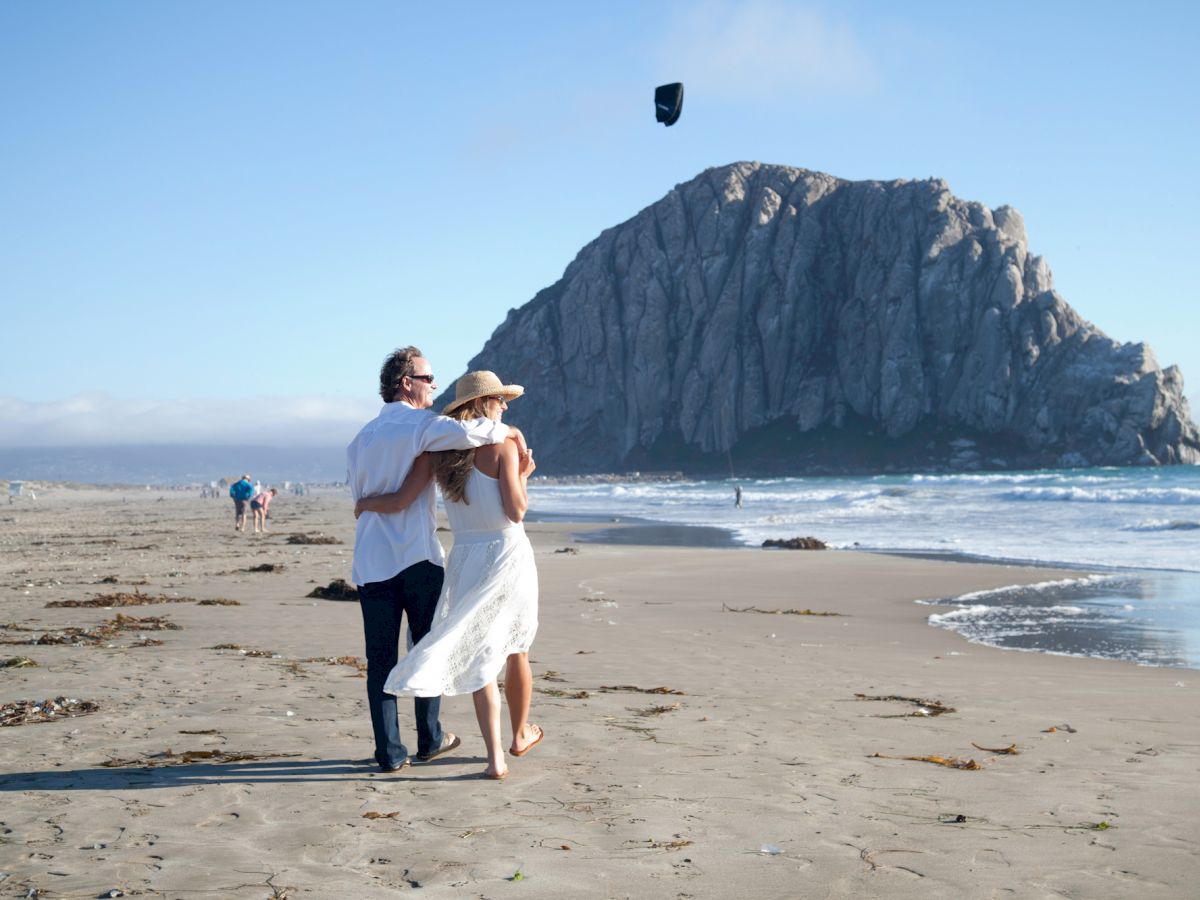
(478, 618)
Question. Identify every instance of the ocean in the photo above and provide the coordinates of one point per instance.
(1136, 532)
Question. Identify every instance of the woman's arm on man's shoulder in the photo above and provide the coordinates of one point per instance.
(414, 485)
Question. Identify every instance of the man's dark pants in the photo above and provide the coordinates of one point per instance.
(414, 592)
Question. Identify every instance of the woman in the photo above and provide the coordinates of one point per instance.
(487, 614)
(260, 505)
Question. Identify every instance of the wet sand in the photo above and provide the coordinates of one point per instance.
(753, 772)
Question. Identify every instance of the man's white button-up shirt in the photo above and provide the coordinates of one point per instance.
(376, 462)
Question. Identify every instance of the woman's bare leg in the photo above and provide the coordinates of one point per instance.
(487, 711)
(518, 691)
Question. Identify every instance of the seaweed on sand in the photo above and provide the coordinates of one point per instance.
(169, 758)
(337, 589)
(35, 712)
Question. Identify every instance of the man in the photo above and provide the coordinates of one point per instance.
(398, 561)
(241, 491)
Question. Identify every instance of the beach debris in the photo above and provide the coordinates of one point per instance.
(99, 634)
(198, 731)
(218, 601)
(644, 732)
(355, 662)
(651, 844)
(18, 662)
(950, 762)
(952, 819)
(1055, 728)
(796, 543)
(34, 712)
(776, 612)
(1010, 750)
(924, 707)
(1102, 826)
(258, 654)
(120, 599)
(568, 550)
(372, 814)
(122, 622)
(316, 538)
(770, 850)
(265, 567)
(634, 689)
(517, 876)
(551, 675)
(565, 695)
(337, 589)
(109, 579)
(170, 758)
(655, 710)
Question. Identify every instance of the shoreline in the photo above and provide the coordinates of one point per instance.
(691, 720)
(1090, 632)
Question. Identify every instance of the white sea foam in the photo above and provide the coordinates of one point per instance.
(1164, 525)
(1156, 496)
(1055, 585)
(966, 612)
(1095, 518)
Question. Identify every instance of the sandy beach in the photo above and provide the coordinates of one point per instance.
(695, 747)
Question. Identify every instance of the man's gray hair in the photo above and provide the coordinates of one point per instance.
(395, 367)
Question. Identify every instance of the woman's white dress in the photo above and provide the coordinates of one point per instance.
(488, 605)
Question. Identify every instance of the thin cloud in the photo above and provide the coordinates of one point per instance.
(764, 48)
(97, 419)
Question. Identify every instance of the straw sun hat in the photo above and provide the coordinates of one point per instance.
(481, 384)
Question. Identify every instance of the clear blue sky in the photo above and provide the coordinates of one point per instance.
(213, 207)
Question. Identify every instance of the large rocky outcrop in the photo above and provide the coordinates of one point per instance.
(778, 320)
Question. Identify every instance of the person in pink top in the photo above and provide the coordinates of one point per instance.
(259, 505)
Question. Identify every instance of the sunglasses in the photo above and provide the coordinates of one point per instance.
(428, 379)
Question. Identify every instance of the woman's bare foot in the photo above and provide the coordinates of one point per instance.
(495, 775)
(525, 741)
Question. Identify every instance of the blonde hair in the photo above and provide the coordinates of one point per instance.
(452, 468)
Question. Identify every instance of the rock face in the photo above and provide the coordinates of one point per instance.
(767, 320)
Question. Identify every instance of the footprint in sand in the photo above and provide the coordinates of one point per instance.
(219, 819)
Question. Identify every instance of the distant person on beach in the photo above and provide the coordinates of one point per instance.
(486, 616)
(737, 496)
(241, 491)
(398, 561)
(259, 505)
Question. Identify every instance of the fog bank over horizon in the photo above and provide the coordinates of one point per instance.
(97, 419)
(173, 464)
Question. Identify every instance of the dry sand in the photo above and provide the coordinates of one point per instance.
(765, 746)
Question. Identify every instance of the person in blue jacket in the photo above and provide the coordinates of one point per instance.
(240, 491)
